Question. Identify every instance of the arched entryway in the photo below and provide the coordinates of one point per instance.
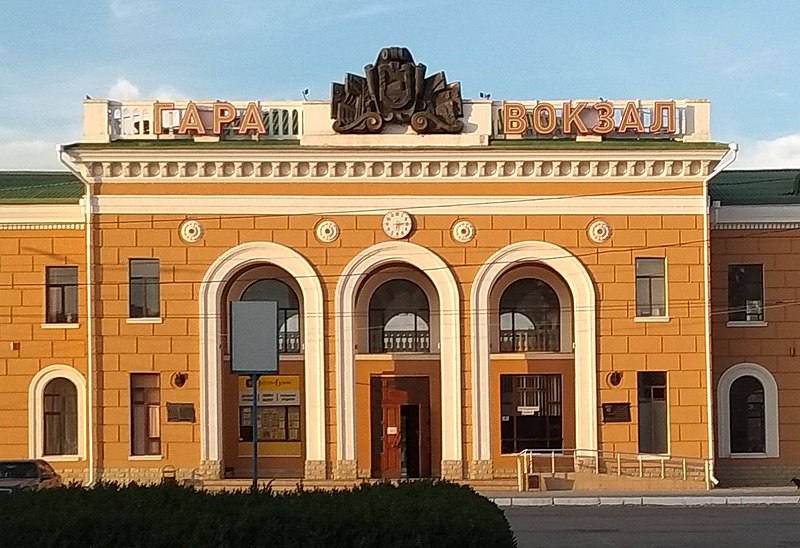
(398, 375)
(747, 407)
(259, 270)
(390, 332)
(280, 432)
(532, 364)
(531, 301)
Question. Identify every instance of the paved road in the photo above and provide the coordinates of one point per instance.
(650, 526)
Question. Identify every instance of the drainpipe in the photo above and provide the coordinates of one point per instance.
(87, 210)
(728, 159)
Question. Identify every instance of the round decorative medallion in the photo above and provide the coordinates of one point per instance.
(397, 224)
(463, 231)
(599, 231)
(327, 231)
(191, 231)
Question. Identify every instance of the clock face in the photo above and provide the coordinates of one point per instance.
(397, 224)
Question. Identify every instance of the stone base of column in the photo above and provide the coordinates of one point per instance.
(480, 470)
(346, 470)
(209, 469)
(316, 470)
(452, 470)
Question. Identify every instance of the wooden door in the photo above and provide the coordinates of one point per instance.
(388, 395)
(391, 450)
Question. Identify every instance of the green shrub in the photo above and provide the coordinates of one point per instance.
(412, 514)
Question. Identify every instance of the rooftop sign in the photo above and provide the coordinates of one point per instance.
(602, 118)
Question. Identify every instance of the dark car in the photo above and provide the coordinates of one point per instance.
(31, 475)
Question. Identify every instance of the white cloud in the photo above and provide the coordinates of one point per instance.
(123, 90)
(32, 154)
(168, 93)
(123, 9)
(782, 152)
(371, 10)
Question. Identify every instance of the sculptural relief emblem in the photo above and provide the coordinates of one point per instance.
(395, 90)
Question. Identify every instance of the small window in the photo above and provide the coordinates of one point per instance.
(745, 293)
(145, 414)
(651, 289)
(62, 294)
(145, 299)
(60, 418)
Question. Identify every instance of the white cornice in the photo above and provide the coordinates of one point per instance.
(269, 164)
(759, 217)
(47, 226)
(379, 205)
(15, 216)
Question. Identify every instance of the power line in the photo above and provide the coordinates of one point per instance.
(378, 210)
(400, 261)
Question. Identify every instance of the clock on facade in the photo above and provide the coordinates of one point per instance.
(397, 224)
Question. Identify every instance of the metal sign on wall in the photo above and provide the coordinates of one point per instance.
(617, 412)
(254, 337)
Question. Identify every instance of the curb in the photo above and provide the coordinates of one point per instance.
(526, 502)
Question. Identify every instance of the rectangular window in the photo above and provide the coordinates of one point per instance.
(530, 409)
(275, 423)
(62, 294)
(145, 414)
(652, 412)
(745, 293)
(651, 288)
(145, 299)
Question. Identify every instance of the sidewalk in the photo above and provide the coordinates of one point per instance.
(715, 497)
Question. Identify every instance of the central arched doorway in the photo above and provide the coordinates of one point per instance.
(425, 348)
(400, 437)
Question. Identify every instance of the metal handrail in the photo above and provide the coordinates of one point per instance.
(617, 463)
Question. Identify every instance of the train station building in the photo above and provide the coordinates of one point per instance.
(457, 282)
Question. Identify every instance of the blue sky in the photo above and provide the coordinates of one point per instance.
(743, 55)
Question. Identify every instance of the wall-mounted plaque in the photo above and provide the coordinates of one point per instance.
(180, 412)
(617, 412)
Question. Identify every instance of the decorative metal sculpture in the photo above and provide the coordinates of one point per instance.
(395, 90)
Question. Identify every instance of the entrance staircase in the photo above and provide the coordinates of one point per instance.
(557, 470)
(588, 469)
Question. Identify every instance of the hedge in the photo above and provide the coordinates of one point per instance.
(409, 514)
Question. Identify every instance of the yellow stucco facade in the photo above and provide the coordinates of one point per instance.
(486, 214)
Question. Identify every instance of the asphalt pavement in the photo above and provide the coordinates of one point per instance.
(655, 526)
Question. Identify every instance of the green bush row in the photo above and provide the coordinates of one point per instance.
(412, 514)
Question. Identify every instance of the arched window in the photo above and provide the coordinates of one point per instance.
(748, 422)
(530, 317)
(288, 311)
(60, 418)
(399, 318)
